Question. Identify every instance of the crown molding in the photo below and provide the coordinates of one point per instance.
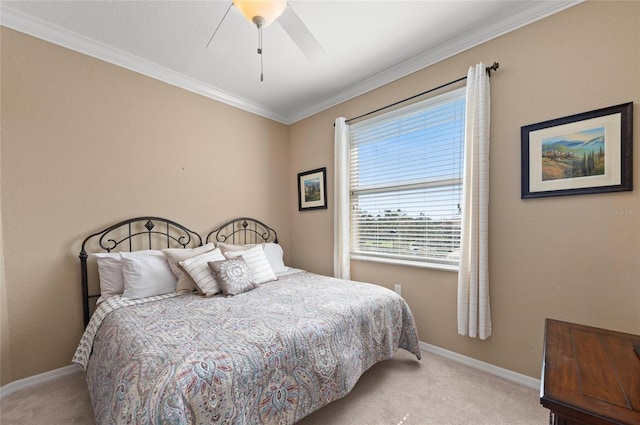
(526, 16)
(56, 35)
(51, 33)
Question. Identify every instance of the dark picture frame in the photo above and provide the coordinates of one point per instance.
(312, 189)
(586, 153)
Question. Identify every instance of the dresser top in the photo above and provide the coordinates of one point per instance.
(591, 374)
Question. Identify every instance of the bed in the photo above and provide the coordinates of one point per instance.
(271, 353)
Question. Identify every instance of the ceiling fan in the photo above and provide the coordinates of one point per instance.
(263, 13)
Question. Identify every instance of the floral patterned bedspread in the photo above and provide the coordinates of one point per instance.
(269, 356)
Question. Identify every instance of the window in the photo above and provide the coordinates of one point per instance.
(406, 183)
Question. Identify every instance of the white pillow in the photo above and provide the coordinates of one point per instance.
(274, 254)
(146, 275)
(198, 268)
(175, 255)
(257, 262)
(110, 272)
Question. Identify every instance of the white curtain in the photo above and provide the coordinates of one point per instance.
(474, 313)
(341, 238)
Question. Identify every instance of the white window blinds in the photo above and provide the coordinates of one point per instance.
(406, 182)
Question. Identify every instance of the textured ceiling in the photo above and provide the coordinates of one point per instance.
(366, 43)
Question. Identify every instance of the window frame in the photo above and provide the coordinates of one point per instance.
(449, 264)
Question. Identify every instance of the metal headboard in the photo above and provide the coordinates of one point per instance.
(242, 231)
(132, 235)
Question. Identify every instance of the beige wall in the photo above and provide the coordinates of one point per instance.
(562, 257)
(86, 143)
(5, 352)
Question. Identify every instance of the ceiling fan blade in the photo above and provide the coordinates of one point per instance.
(219, 24)
(300, 34)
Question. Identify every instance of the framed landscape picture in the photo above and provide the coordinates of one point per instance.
(584, 153)
(312, 189)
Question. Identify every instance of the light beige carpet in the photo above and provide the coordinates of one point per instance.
(400, 391)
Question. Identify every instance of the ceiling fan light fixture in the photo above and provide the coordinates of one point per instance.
(261, 12)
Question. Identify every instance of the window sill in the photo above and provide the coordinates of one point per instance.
(419, 264)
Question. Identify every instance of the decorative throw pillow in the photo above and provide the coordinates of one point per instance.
(257, 262)
(146, 275)
(233, 276)
(175, 255)
(198, 268)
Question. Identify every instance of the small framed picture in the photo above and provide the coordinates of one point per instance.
(584, 153)
(312, 189)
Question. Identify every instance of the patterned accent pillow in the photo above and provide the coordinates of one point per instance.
(257, 262)
(233, 276)
(198, 268)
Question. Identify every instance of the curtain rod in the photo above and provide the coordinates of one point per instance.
(493, 67)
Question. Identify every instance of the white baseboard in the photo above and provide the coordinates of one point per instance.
(507, 374)
(31, 381)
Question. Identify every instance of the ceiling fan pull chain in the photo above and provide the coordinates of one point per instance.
(260, 52)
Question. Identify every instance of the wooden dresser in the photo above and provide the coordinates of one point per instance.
(590, 375)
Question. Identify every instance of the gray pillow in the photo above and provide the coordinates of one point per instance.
(233, 276)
